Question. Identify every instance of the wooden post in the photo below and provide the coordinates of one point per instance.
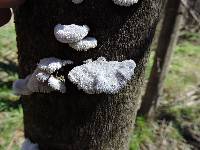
(166, 44)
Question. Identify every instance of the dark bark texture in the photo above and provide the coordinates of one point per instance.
(76, 120)
(167, 41)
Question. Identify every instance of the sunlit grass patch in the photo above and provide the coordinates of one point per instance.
(11, 129)
(184, 71)
(142, 133)
(6, 93)
(11, 126)
(149, 134)
(8, 38)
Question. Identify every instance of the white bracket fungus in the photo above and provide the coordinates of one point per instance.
(28, 145)
(70, 33)
(57, 84)
(75, 35)
(42, 80)
(125, 2)
(20, 86)
(37, 84)
(102, 76)
(52, 64)
(85, 44)
(77, 1)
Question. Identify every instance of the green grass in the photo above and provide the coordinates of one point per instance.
(182, 117)
(189, 36)
(11, 125)
(178, 114)
(8, 39)
(8, 54)
(142, 133)
(184, 74)
(152, 133)
(184, 71)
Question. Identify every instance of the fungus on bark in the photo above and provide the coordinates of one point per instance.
(43, 80)
(102, 76)
(57, 84)
(85, 44)
(70, 33)
(52, 64)
(28, 145)
(20, 86)
(77, 1)
(75, 35)
(125, 2)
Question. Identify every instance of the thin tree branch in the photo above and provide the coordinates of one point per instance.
(191, 11)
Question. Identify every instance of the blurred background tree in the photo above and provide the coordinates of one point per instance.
(172, 21)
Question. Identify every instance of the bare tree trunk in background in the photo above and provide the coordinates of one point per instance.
(76, 120)
(166, 44)
(192, 15)
(195, 6)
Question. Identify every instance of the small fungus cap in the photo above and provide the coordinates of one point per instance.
(28, 145)
(85, 44)
(70, 33)
(52, 64)
(125, 2)
(77, 1)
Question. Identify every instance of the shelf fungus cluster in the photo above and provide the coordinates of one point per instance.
(93, 77)
(102, 76)
(28, 145)
(43, 79)
(75, 36)
(125, 2)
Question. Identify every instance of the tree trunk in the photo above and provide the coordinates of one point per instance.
(166, 44)
(76, 120)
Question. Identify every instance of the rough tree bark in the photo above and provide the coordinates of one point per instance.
(76, 120)
(166, 43)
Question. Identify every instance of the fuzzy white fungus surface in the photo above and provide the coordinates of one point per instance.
(77, 1)
(20, 86)
(125, 2)
(28, 145)
(57, 84)
(85, 44)
(52, 64)
(70, 33)
(42, 79)
(42, 76)
(102, 76)
(34, 83)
